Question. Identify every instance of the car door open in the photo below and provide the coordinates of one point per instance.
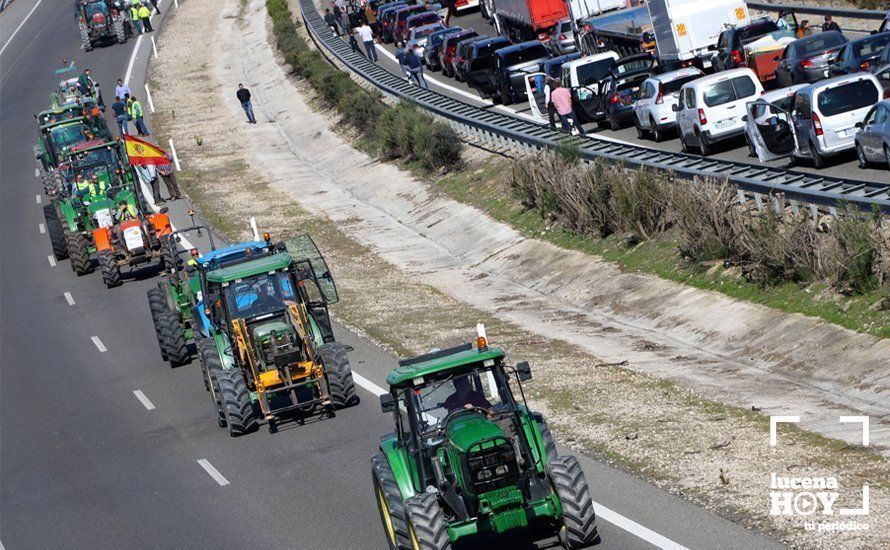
(771, 129)
(534, 90)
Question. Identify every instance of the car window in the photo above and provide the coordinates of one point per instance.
(753, 32)
(802, 105)
(789, 52)
(847, 97)
(690, 98)
(566, 26)
(843, 54)
(526, 54)
(718, 93)
(675, 85)
(723, 41)
(744, 86)
(880, 115)
(870, 47)
(590, 73)
(819, 42)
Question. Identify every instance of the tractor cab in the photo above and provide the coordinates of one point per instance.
(58, 141)
(469, 453)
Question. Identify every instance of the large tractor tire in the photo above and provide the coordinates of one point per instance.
(579, 521)
(85, 39)
(205, 347)
(389, 503)
(237, 405)
(111, 272)
(158, 307)
(55, 231)
(426, 523)
(79, 253)
(172, 261)
(547, 438)
(174, 339)
(339, 374)
(213, 367)
(119, 31)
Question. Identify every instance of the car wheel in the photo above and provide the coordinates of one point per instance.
(506, 98)
(657, 134)
(860, 156)
(683, 144)
(752, 152)
(818, 160)
(887, 155)
(703, 147)
(614, 124)
(641, 134)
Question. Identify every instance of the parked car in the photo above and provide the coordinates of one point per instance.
(399, 18)
(562, 39)
(386, 18)
(654, 110)
(806, 59)
(619, 90)
(413, 21)
(710, 109)
(883, 74)
(483, 47)
(433, 43)
(873, 138)
(418, 36)
(583, 77)
(822, 121)
(765, 110)
(732, 41)
(552, 66)
(534, 83)
(458, 62)
(503, 76)
(859, 55)
(448, 47)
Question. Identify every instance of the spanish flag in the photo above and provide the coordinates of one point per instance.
(142, 153)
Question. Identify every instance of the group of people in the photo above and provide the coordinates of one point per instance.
(140, 15)
(127, 108)
(558, 99)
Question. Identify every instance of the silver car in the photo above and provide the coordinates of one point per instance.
(562, 41)
(873, 137)
(417, 38)
(654, 109)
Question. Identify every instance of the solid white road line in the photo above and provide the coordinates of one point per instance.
(36, 173)
(38, 198)
(604, 513)
(41, 228)
(213, 472)
(52, 261)
(132, 60)
(99, 344)
(17, 29)
(144, 400)
(69, 298)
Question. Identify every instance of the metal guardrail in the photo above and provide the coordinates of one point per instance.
(481, 123)
(819, 10)
(4, 4)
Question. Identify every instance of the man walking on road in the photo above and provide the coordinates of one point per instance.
(121, 90)
(243, 95)
(562, 101)
(145, 18)
(331, 20)
(415, 67)
(119, 108)
(367, 36)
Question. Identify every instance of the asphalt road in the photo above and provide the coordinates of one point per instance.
(843, 165)
(102, 443)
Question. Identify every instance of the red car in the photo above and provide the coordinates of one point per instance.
(401, 20)
(417, 20)
(449, 46)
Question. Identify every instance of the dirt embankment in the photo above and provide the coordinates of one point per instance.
(418, 271)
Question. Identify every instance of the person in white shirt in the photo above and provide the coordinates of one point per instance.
(367, 36)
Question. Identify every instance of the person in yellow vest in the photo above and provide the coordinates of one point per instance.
(79, 186)
(96, 187)
(136, 113)
(145, 17)
(134, 16)
(126, 211)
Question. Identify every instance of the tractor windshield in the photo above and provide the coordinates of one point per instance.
(94, 8)
(66, 136)
(259, 294)
(478, 390)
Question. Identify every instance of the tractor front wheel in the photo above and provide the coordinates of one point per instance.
(78, 253)
(212, 366)
(547, 438)
(238, 407)
(174, 339)
(170, 255)
(158, 307)
(339, 375)
(119, 31)
(578, 528)
(55, 231)
(389, 503)
(426, 523)
(85, 39)
(111, 272)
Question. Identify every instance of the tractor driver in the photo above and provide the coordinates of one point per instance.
(126, 211)
(465, 396)
(80, 186)
(265, 301)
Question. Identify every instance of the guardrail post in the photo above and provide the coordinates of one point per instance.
(742, 198)
(759, 200)
(794, 207)
(814, 212)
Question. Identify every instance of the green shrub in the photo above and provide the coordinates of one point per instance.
(435, 144)
(857, 253)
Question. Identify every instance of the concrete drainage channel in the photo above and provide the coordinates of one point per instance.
(764, 185)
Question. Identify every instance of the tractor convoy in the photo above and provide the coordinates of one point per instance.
(467, 456)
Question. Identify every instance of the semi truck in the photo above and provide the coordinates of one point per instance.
(681, 32)
(521, 20)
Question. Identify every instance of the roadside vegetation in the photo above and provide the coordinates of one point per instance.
(391, 132)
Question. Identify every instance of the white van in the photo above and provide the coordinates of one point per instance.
(710, 109)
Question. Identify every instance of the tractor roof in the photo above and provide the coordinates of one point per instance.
(440, 364)
(228, 253)
(241, 270)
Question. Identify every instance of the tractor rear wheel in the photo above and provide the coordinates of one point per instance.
(205, 346)
(339, 374)
(579, 521)
(547, 438)
(158, 307)
(85, 39)
(389, 503)
(170, 256)
(78, 253)
(174, 339)
(111, 272)
(237, 405)
(119, 31)
(55, 231)
(213, 367)
(426, 523)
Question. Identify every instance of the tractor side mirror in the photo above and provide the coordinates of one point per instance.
(164, 210)
(523, 371)
(387, 403)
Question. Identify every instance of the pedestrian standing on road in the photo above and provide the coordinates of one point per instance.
(137, 117)
(145, 17)
(243, 95)
(331, 20)
(119, 108)
(169, 175)
(367, 36)
(562, 101)
(152, 171)
(452, 8)
(121, 90)
(400, 57)
(830, 25)
(371, 18)
(415, 67)
(134, 17)
(548, 101)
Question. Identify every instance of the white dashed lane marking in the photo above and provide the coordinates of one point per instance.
(52, 261)
(69, 298)
(213, 472)
(143, 399)
(42, 228)
(99, 344)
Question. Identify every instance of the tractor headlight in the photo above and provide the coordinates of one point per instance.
(501, 470)
(483, 475)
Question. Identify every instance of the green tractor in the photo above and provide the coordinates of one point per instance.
(468, 458)
(269, 347)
